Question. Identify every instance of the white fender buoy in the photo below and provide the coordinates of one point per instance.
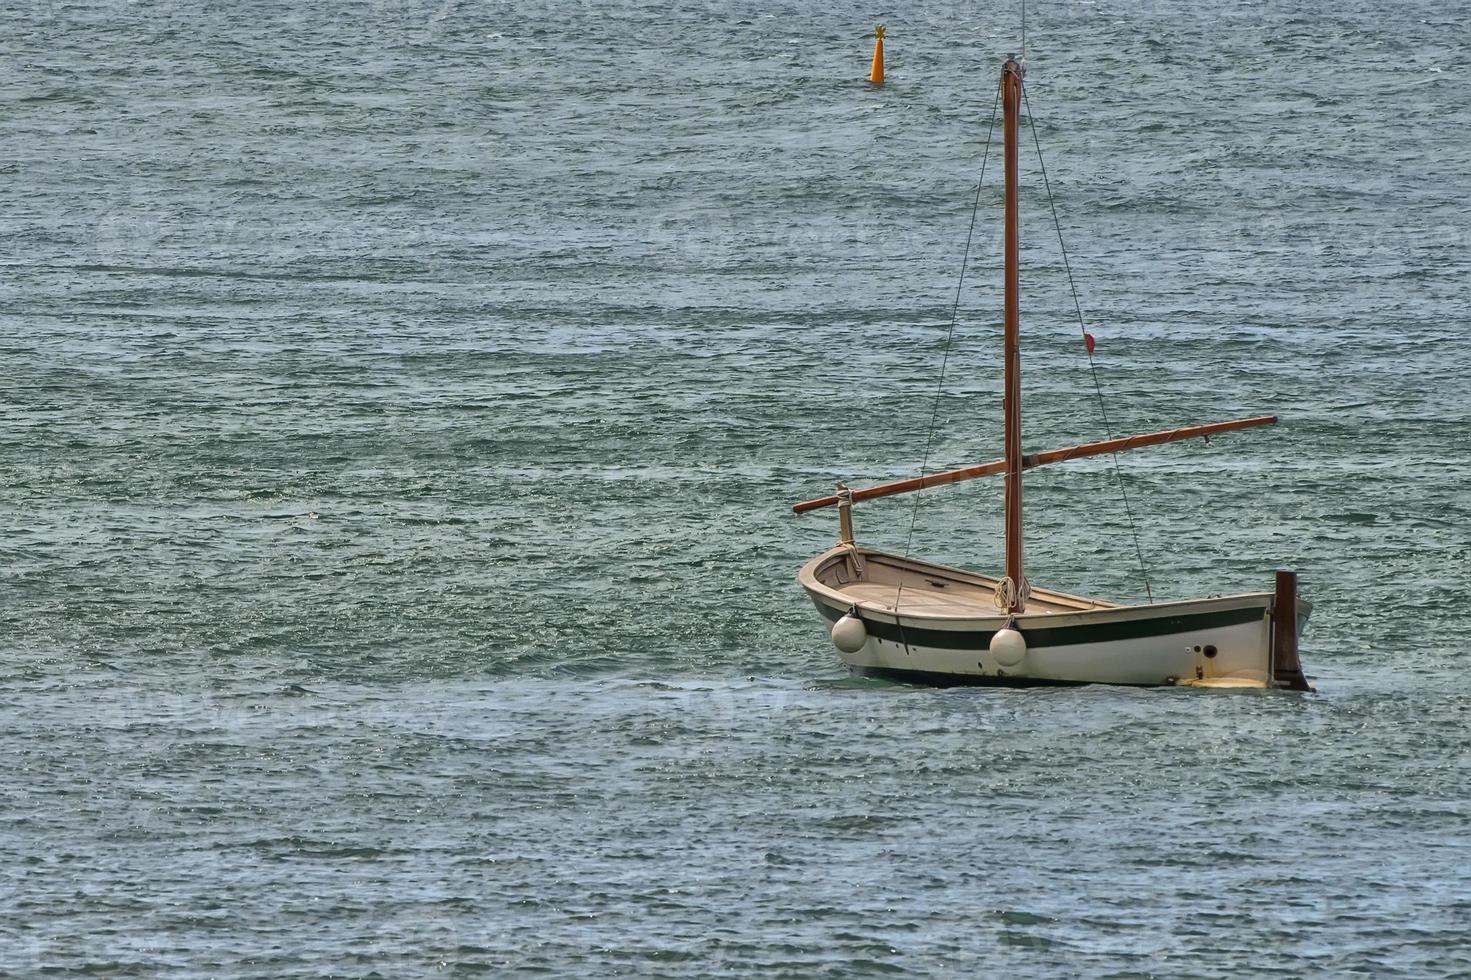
(1008, 647)
(849, 634)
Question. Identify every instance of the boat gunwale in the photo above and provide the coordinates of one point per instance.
(807, 577)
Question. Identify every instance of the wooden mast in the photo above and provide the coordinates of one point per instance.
(1011, 96)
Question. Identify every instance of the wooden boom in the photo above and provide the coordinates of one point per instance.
(1039, 459)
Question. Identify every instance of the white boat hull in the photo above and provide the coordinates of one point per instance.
(925, 623)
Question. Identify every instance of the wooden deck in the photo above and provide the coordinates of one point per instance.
(936, 590)
(920, 599)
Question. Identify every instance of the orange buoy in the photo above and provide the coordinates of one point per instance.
(876, 75)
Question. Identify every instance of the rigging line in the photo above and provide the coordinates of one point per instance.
(1082, 327)
(945, 359)
(1024, 31)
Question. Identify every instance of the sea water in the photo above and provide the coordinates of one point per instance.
(403, 403)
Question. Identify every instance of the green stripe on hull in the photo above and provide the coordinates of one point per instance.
(1057, 636)
(934, 678)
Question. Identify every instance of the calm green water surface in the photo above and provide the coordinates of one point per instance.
(403, 401)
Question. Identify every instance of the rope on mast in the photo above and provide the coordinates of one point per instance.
(1083, 329)
(1024, 32)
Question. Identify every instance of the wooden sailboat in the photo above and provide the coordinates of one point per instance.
(911, 620)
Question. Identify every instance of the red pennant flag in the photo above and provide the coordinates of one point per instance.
(1088, 341)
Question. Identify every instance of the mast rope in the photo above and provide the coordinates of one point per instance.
(1005, 594)
(1024, 36)
(945, 358)
(1083, 329)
